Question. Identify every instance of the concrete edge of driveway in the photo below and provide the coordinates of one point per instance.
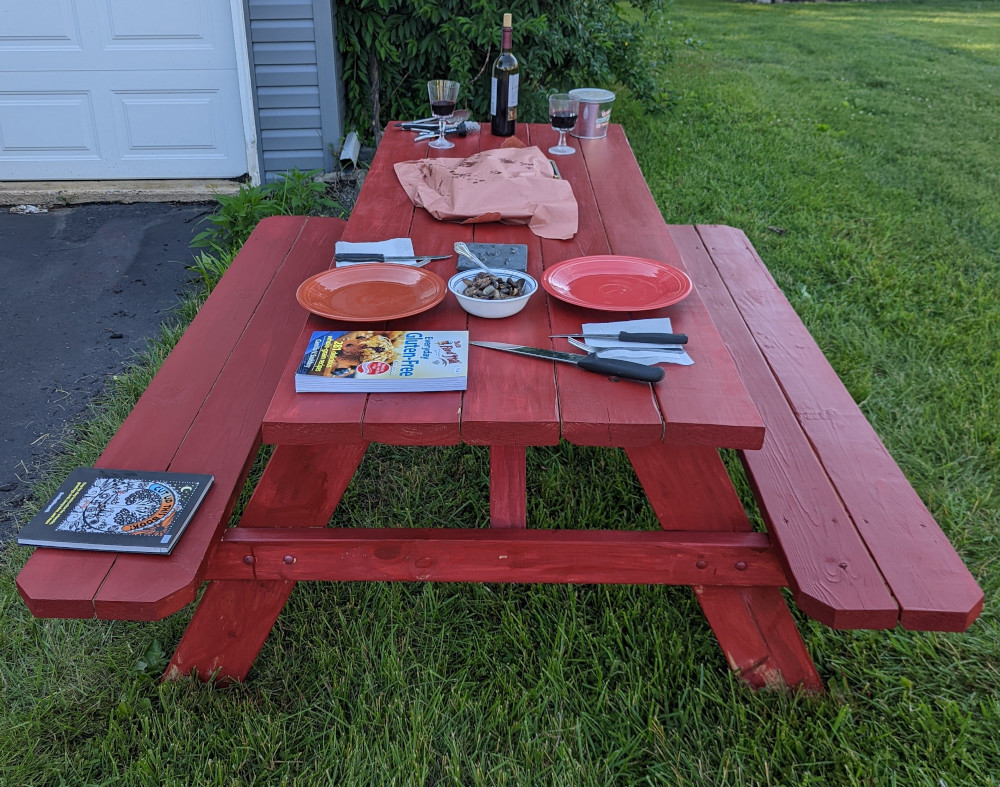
(78, 192)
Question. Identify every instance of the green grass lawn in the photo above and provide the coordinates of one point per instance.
(857, 145)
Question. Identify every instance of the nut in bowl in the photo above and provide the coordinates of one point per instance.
(501, 300)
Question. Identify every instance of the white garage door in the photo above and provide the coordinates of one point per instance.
(116, 89)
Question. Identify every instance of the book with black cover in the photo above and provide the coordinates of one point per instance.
(384, 361)
(118, 511)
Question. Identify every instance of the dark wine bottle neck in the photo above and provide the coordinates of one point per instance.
(505, 40)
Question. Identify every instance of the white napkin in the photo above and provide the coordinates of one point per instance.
(649, 355)
(394, 247)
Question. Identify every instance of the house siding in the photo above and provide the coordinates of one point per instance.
(296, 84)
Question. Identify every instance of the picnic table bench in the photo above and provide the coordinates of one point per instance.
(860, 547)
(845, 530)
(201, 413)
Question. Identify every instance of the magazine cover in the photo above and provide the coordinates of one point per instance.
(384, 361)
(117, 510)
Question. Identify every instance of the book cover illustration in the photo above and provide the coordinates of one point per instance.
(366, 360)
(117, 510)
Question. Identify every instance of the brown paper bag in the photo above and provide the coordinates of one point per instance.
(512, 185)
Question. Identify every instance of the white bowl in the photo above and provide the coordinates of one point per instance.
(492, 309)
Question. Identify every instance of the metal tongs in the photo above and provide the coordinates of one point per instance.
(462, 129)
(431, 123)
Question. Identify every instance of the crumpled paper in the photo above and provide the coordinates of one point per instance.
(512, 185)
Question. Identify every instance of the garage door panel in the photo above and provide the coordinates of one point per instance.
(176, 35)
(142, 125)
(42, 25)
(183, 22)
(53, 125)
(176, 124)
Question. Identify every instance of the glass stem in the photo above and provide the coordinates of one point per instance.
(441, 129)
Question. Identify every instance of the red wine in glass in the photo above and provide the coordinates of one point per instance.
(443, 109)
(443, 95)
(563, 120)
(563, 110)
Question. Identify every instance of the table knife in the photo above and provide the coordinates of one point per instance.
(626, 336)
(372, 257)
(590, 363)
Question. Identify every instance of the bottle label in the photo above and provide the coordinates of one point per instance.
(512, 92)
(493, 97)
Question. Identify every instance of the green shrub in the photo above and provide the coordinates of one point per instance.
(390, 49)
(296, 193)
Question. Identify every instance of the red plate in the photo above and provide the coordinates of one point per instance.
(617, 284)
(372, 292)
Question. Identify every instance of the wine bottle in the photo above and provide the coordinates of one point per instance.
(503, 95)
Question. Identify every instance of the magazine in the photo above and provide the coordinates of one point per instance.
(384, 361)
(117, 511)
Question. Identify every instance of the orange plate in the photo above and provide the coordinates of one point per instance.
(616, 283)
(372, 292)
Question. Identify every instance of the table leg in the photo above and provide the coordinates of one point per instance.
(228, 630)
(759, 637)
(508, 495)
(301, 486)
(690, 489)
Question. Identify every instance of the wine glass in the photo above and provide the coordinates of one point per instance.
(443, 93)
(563, 109)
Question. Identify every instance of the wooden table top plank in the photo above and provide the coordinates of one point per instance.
(834, 577)
(934, 588)
(706, 403)
(594, 409)
(430, 418)
(382, 211)
(149, 587)
(63, 583)
(306, 419)
(511, 400)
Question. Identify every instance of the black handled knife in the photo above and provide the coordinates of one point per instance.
(591, 363)
(362, 256)
(625, 336)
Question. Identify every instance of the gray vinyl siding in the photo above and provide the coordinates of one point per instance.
(296, 84)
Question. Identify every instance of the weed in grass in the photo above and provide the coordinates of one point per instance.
(211, 267)
(295, 193)
(235, 218)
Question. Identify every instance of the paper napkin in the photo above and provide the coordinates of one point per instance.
(394, 247)
(649, 355)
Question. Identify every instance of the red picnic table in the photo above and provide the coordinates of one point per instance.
(671, 430)
(823, 541)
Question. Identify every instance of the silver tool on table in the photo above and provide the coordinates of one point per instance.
(637, 349)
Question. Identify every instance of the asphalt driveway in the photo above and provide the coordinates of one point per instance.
(83, 288)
